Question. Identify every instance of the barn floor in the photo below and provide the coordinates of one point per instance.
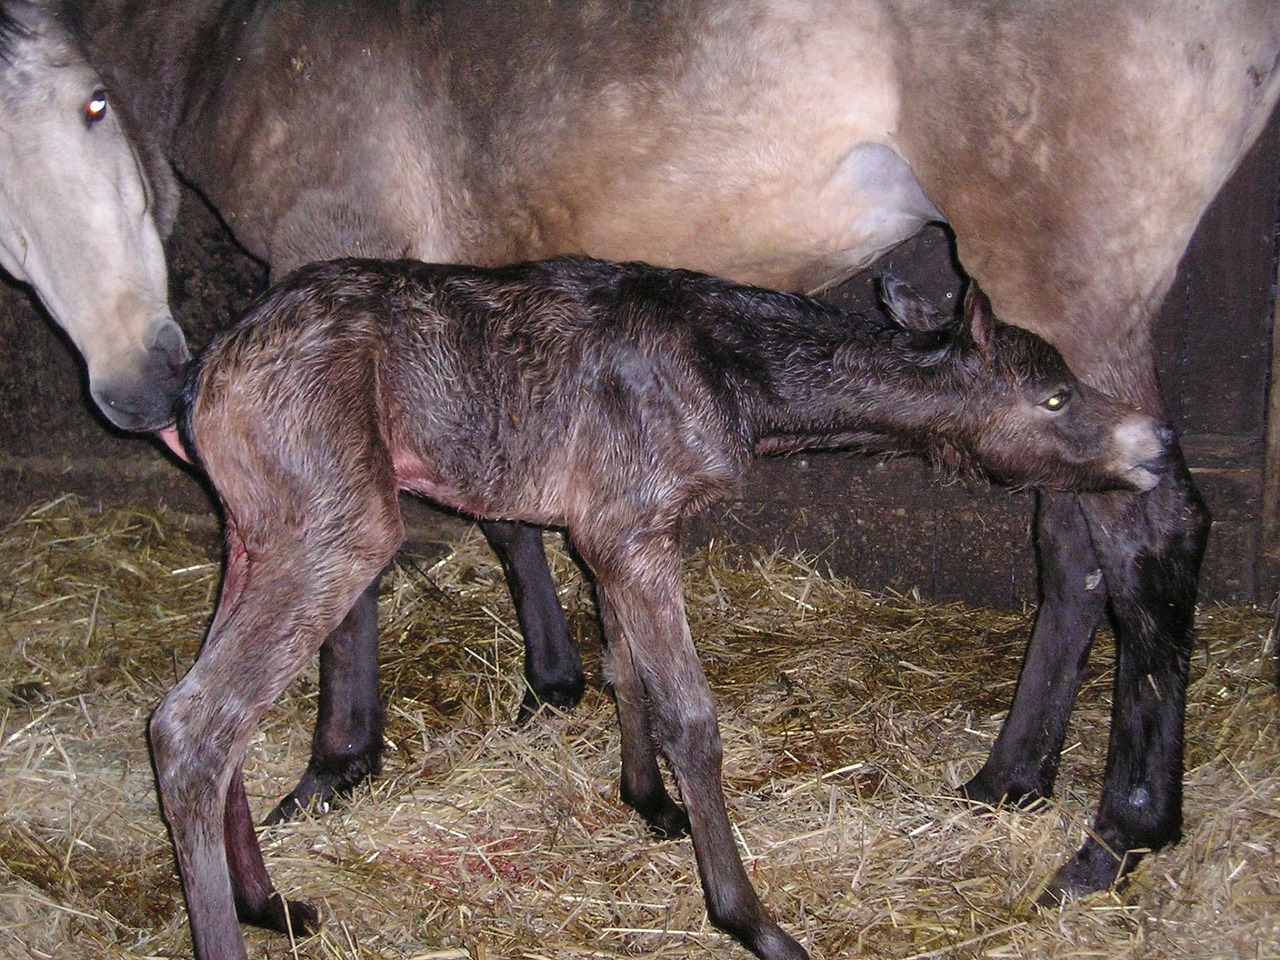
(846, 717)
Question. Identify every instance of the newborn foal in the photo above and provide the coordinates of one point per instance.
(611, 400)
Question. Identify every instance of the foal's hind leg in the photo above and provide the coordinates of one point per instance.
(649, 648)
(198, 736)
(257, 901)
(276, 609)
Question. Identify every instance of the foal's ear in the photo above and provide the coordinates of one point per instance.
(980, 318)
(908, 309)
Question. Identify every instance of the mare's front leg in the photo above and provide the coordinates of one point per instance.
(346, 747)
(650, 655)
(1147, 549)
(1023, 763)
(1150, 548)
(552, 667)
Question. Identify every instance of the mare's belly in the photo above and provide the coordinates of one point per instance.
(800, 227)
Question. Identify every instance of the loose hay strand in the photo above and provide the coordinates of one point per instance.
(846, 718)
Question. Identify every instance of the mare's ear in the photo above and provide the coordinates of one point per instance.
(908, 309)
(980, 318)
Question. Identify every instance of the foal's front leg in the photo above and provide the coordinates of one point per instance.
(642, 788)
(346, 747)
(650, 651)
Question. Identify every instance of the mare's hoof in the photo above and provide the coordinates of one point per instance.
(773, 942)
(978, 793)
(563, 695)
(291, 807)
(1093, 868)
(290, 917)
(666, 818)
(317, 792)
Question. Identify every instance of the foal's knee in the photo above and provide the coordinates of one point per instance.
(188, 769)
(167, 740)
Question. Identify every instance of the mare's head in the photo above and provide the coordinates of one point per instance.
(78, 219)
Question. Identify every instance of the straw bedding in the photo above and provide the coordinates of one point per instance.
(846, 717)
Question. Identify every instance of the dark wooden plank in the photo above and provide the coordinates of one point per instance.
(1269, 550)
(1213, 335)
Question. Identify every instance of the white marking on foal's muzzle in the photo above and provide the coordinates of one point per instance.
(1141, 450)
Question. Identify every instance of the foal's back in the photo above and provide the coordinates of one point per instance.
(495, 391)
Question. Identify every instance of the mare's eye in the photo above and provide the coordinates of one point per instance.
(95, 108)
(1056, 401)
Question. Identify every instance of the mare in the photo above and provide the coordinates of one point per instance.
(80, 221)
(1072, 147)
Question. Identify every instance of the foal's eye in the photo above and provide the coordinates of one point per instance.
(95, 108)
(1056, 401)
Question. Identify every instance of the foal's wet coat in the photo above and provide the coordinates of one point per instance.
(611, 400)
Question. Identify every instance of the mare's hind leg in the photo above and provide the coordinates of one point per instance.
(650, 650)
(1023, 763)
(552, 667)
(347, 746)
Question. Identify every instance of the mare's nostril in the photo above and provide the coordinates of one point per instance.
(1166, 435)
(172, 344)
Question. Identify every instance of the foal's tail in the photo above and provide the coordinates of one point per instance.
(178, 437)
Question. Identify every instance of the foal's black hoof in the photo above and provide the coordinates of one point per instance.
(1093, 868)
(317, 792)
(563, 696)
(290, 917)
